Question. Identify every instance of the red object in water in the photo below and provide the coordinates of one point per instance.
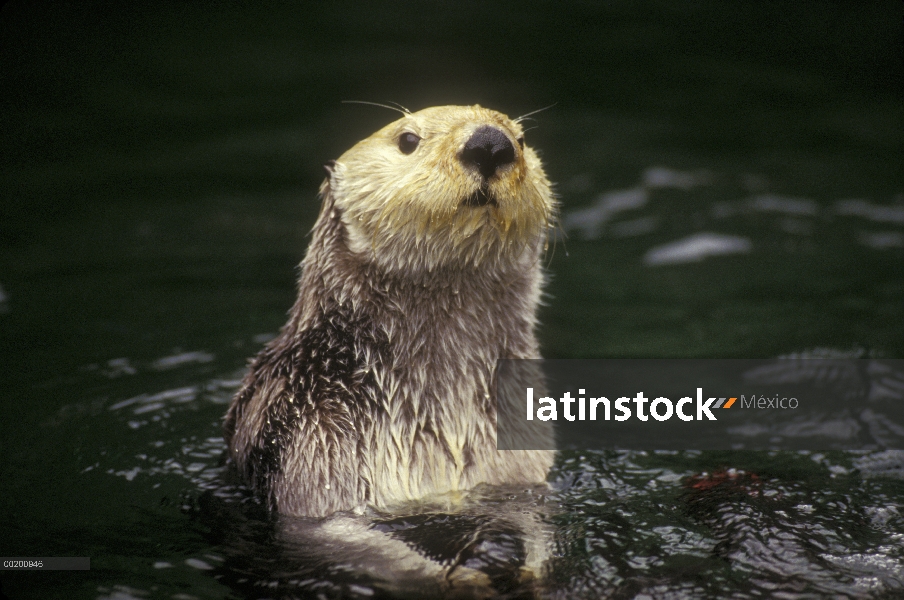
(727, 478)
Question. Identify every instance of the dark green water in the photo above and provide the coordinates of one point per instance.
(159, 175)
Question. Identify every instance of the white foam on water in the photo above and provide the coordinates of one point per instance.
(663, 177)
(197, 563)
(121, 592)
(589, 221)
(178, 395)
(183, 358)
(263, 338)
(697, 247)
(882, 240)
(881, 213)
(119, 366)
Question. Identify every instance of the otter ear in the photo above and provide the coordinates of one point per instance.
(328, 167)
(326, 188)
(334, 172)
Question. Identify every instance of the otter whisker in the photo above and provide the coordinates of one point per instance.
(557, 229)
(398, 107)
(539, 110)
(407, 112)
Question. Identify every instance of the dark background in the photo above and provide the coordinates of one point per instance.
(159, 164)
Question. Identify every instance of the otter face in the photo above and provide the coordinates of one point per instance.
(448, 185)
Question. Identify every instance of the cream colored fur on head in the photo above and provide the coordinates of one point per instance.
(407, 209)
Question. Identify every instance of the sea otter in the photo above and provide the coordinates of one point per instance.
(424, 269)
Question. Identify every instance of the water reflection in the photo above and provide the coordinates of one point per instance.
(614, 524)
(604, 216)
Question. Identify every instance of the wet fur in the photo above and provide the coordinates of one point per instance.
(380, 388)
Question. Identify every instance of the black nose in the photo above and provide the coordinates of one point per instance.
(488, 149)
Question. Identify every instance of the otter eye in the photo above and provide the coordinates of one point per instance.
(521, 141)
(408, 143)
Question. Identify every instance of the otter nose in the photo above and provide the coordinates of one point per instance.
(488, 149)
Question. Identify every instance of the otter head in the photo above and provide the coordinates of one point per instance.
(445, 186)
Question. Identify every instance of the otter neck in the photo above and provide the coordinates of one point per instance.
(500, 294)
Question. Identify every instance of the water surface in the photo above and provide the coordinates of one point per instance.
(731, 183)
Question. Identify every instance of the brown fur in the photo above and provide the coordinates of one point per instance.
(380, 388)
